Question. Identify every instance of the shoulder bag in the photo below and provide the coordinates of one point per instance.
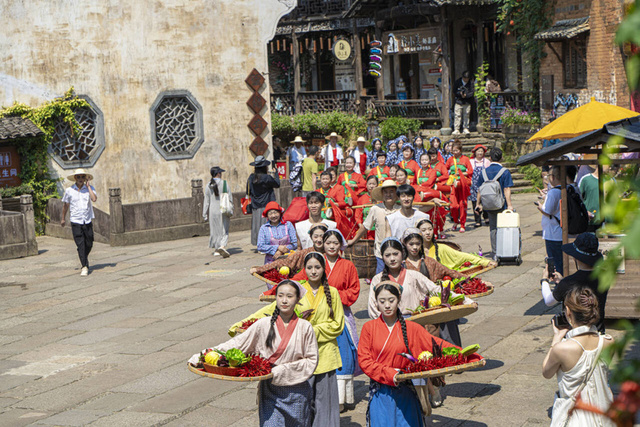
(226, 202)
(245, 202)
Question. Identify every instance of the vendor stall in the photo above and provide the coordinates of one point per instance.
(623, 296)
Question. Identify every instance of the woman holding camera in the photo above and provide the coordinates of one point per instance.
(574, 358)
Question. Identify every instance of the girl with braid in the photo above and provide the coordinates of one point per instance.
(290, 344)
(444, 254)
(343, 276)
(392, 402)
(322, 306)
(416, 285)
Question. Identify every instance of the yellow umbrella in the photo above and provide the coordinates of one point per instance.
(583, 119)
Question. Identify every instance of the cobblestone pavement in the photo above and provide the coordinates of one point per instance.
(110, 349)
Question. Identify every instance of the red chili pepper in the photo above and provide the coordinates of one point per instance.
(248, 323)
(446, 278)
(435, 363)
(275, 276)
(255, 367)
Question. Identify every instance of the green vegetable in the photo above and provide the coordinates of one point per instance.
(470, 349)
(455, 300)
(450, 351)
(236, 357)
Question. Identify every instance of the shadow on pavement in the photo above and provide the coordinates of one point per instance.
(101, 266)
(470, 390)
(539, 308)
(491, 364)
(362, 314)
(441, 420)
(41, 251)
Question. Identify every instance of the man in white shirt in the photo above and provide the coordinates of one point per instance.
(79, 198)
(407, 215)
(315, 202)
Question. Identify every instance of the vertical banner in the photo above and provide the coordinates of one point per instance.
(9, 167)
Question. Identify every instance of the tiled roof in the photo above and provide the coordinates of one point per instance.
(369, 7)
(565, 29)
(17, 127)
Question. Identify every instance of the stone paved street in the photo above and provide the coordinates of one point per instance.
(110, 349)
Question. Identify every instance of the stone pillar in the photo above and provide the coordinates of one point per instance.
(360, 108)
(198, 199)
(0, 203)
(297, 102)
(116, 215)
(446, 77)
(26, 207)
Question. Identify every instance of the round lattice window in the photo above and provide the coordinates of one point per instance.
(79, 149)
(176, 125)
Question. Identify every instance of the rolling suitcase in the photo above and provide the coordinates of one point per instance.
(508, 240)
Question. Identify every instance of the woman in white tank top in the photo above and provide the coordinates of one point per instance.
(573, 357)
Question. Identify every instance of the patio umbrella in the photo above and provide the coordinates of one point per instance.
(583, 119)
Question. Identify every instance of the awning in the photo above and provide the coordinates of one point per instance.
(565, 29)
(17, 127)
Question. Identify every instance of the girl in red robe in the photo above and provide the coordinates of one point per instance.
(408, 164)
(392, 402)
(367, 199)
(460, 167)
(352, 181)
(381, 171)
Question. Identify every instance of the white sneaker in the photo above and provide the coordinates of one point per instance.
(466, 131)
(223, 252)
(84, 271)
(455, 132)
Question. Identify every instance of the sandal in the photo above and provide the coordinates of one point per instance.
(462, 230)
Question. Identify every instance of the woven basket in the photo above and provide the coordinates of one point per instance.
(477, 269)
(228, 378)
(443, 371)
(437, 315)
(490, 289)
(267, 281)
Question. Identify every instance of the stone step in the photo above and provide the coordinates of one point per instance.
(526, 189)
(521, 183)
(516, 175)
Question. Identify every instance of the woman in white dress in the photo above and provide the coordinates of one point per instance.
(218, 223)
(574, 358)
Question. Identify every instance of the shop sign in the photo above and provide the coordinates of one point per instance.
(282, 169)
(611, 247)
(434, 71)
(411, 41)
(9, 167)
(342, 50)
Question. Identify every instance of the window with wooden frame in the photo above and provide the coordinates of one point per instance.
(574, 55)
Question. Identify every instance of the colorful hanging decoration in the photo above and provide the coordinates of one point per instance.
(375, 58)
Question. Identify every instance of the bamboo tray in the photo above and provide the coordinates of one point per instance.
(226, 377)
(437, 315)
(490, 289)
(267, 281)
(443, 371)
(269, 298)
(477, 269)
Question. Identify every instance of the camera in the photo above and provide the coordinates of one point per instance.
(560, 321)
(551, 267)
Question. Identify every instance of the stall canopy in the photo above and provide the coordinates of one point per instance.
(588, 117)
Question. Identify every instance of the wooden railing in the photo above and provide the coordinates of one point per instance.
(498, 101)
(408, 108)
(320, 102)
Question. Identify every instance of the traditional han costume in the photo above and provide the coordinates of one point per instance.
(391, 405)
(463, 172)
(285, 399)
(327, 330)
(453, 259)
(344, 277)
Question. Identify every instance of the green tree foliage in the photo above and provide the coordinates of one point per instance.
(349, 126)
(35, 173)
(393, 127)
(482, 97)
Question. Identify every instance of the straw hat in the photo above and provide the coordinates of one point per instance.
(333, 135)
(361, 139)
(376, 193)
(298, 139)
(72, 177)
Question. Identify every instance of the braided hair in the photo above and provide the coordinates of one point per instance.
(433, 237)
(403, 325)
(423, 268)
(395, 244)
(323, 280)
(276, 312)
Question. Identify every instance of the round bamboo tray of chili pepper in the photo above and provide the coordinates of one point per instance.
(267, 281)
(227, 377)
(477, 362)
(489, 291)
(435, 315)
(267, 298)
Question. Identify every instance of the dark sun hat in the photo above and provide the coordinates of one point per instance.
(584, 248)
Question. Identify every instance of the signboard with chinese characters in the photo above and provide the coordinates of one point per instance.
(611, 246)
(282, 169)
(9, 167)
(411, 41)
(342, 50)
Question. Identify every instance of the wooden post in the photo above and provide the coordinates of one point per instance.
(480, 37)
(446, 78)
(600, 189)
(296, 73)
(358, 64)
(565, 218)
(379, 80)
(198, 199)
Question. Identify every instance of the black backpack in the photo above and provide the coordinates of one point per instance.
(577, 212)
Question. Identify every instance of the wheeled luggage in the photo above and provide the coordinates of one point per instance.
(508, 239)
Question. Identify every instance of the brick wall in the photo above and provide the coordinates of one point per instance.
(606, 78)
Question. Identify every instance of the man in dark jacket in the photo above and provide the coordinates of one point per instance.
(463, 91)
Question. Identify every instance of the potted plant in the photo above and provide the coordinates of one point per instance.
(515, 121)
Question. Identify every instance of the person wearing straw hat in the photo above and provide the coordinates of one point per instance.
(79, 199)
(333, 154)
(260, 186)
(584, 250)
(360, 155)
(296, 152)
(218, 223)
(386, 197)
